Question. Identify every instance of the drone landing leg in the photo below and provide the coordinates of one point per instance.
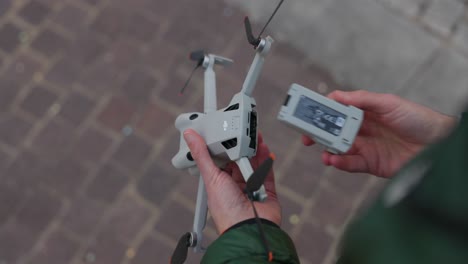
(246, 170)
(199, 221)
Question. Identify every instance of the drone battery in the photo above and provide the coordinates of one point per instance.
(324, 120)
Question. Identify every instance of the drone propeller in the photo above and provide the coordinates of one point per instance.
(198, 56)
(253, 184)
(255, 41)
(180, 253)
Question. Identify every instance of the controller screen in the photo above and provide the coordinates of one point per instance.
(320, 116)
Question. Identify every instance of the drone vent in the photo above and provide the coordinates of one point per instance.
(229, 144)
(232, 107)
(253, 130)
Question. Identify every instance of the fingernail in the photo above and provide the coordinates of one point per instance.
(189, 137)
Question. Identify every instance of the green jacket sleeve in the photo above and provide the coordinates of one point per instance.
(422, 215)
(243, 245)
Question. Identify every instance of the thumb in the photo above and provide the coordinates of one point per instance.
(200, 154)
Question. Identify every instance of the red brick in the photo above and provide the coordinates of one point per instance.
(15, 242)
(331, 208)
(107, 184)
(139, 86)
(70, 17)
(76, 108)
(349, 184)
(157, 183)
(54, 140)
(34, 12)
(49, 43)
(11, 198)
(58, 248)
(9, 37)
(107, 248)
(175, 220)
(152, 250)
(38, 101)
(66, 176)
(91, 145)
(117, 113)
(83, 216)
(289, 209)
(155, 121)
(22, 69)
(26, 170)
(127, 218)
(13, 129)
(4, 6)
(132, 152)
(313, 243)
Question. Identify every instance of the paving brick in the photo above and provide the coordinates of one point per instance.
(92, 145)
(38, 212)
(106, 249)
(117, 113)
(4, 6)
(71, 18)
(66, 176)
(411, 7)
(132, 152)
(349, 184)
(76, 108)
(58, 248)
(13, 129)
(155, 121)
(9, 90)
(139, 86)
(442, 15)
(15, 241)
(175, 220)
(22, 69)
(127, 218)
(107, 184)
(313, 243)
(26, 170)
(49, 43)
(152, 250)
(331, 208)
(141, 27)
(54, 139)
(34, 12)
(157, 183)
(38, 101)
(304, 175)
(11, 198)
(83, 216)
(110, 22)
(9, 37)
(291, 214)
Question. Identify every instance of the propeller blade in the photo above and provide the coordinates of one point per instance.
(258, 177)
(197, 55)
(180, 253)
(248, 30)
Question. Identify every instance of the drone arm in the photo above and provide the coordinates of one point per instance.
(210, 85)
(247, 171)
(257, 65)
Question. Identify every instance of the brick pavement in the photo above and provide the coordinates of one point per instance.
(88, 97)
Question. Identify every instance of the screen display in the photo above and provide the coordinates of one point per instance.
(320, 116)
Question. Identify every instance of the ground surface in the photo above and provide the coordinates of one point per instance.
(88, 97)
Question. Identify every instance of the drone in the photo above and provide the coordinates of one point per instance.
(230, 134)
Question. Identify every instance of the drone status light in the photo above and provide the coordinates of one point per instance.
(326, 121)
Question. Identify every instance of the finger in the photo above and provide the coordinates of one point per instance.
(307, 141)
(350, 163)
(202, 157)
(370, 101)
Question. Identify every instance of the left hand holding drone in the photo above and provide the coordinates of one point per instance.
(227, 203)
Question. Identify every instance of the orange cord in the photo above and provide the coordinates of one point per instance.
(270, 256)
(272, 156)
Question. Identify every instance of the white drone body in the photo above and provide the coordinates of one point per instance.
(230, 133)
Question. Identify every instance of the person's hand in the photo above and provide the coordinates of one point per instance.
(394, 130)
(227, 203)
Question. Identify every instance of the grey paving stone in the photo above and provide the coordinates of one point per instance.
(443, 85)
(408, 7)
(442, 15)
(359, 41)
